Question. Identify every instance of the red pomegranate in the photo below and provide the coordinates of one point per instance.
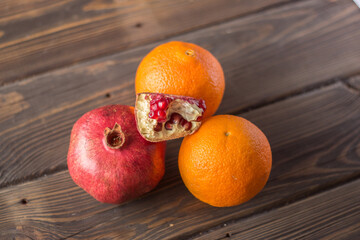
(162, 117)
(109, 159)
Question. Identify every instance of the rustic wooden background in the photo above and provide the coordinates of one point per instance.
(291, 67)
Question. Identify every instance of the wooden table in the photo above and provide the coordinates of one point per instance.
(291, 67)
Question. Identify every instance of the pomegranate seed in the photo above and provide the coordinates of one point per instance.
(199, 119)
(151, 114)
(168, 126)
(161, 114)
(201, 104)
(152, 102)
(183, 122)
(157, 96)
(154, 107)
(162, 104)
(158, 127)
(175, 118)
(187, 126)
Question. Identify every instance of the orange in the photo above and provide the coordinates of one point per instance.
(182, 69)
(226, 162)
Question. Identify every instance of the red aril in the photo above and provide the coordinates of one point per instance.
(161, 117)
(162, 104)
(109, 159)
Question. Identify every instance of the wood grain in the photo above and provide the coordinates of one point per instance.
(334, 214)
(40, 35)
(266, 56)
(324, 124)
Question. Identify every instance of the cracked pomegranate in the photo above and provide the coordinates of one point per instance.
(109, 159)
(161, 117)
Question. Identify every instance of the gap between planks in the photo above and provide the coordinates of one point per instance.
(265, 209)
(353, 84)
(306, 90)
(143, 43)
(313, 193)
(235, 112)
(231, 229)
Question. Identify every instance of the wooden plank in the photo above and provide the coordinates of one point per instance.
(334, 214)
(266, 56)
(324, 124)
(40, 35)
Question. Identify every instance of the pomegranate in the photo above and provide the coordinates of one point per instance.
(109, 159)
(161, 117)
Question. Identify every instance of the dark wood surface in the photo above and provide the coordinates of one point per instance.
(291, 67)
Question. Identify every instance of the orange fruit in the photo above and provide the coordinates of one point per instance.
(181, 68)
(226, 162)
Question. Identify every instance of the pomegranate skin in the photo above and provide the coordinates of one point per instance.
(113, 175)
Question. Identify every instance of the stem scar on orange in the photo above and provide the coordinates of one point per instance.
(185, 69)
(226, 162)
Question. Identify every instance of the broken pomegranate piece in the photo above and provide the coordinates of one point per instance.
(162, 117)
